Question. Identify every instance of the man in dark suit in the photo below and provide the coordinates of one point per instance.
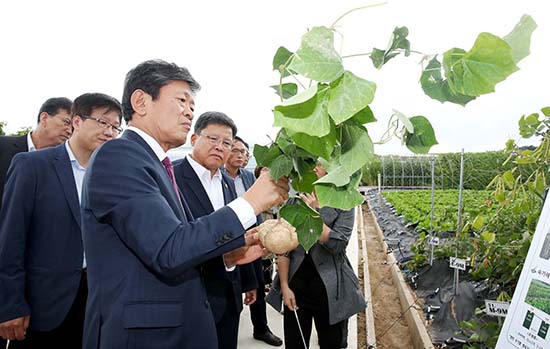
(42, 267)
(143, 250)
(207, 189)
(48, 132)
(244, 179)
(53, 128)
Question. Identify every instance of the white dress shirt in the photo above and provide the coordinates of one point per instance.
(241, 207)
(211, 184)
(78, 172)
(30, 144)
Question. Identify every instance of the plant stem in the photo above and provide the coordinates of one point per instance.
(356, 9)
(298, 81)
(358, 55)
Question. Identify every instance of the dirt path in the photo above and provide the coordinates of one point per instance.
(385, 300)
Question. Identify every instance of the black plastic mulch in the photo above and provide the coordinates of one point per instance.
(434, 284)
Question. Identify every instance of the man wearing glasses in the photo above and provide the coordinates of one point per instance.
(207, 189)
(53, 128)
(244, 179)
(43, 279)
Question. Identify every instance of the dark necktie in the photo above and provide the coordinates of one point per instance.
(170, 169)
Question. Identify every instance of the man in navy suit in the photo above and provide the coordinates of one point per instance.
(207, 189)
(244, 179)
(53, 128)
(42, 266)
(143, 250)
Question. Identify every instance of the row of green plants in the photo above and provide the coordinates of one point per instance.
(415, 207)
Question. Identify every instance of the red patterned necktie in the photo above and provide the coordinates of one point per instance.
(170, 169)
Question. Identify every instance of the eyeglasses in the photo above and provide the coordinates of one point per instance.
(243, 152)
(104, 124)
(215, 140)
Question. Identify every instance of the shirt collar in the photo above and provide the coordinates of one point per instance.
(151, 142)
(201, 170)
(72, 158)
(30, 144)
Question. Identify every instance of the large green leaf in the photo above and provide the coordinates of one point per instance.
(423, 137)
(265, 155)
(309, 117)
(437, 88)
(345, 198)
(348, 96)
(319, 146)
(316, 58)
(356, 150)
(520, 37)
(477, 71)
(286, 90)
(300, 98)
(364, 116)
(303, 176)
(398, 41)
(280, 166)
(285, 143)
(307, 222)
(281, 58)
(357, 147)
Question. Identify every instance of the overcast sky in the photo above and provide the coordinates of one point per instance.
(66, 48)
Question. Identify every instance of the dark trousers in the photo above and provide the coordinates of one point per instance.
(330, 336)
(227, 329)
(258, 312)
(66, 335)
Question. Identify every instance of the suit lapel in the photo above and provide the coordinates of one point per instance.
(194, 184)
(65, 174)
(229, 192)
(172, 197)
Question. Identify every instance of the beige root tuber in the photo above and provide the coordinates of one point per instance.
(278, 236)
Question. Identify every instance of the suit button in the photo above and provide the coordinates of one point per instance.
(206, 304)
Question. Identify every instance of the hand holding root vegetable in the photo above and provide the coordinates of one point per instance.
(278, 236)
(251, 251)
(266, 193)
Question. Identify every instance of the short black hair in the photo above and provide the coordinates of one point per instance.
(150, 76)
(237, 138)
(85, 104)
(214, 118)
(54, 105)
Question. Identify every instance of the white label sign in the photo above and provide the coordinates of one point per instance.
(527, 324)
(434, 241)
(458, 263)
(496, 308)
